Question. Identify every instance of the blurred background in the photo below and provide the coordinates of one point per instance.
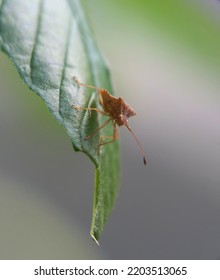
(165, 61)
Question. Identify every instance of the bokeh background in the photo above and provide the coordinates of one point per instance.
(165, 61)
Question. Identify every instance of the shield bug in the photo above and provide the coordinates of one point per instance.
(118, 112)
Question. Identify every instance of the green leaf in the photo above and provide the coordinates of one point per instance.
(49, 41)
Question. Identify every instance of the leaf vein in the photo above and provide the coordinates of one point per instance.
(1, 5)
(36, 39)
(86, 40)
(65, 60)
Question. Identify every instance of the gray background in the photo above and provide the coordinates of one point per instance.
(166, 210)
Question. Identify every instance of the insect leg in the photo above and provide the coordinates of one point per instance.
(89, 86)
(94, 132)
(90, 109)
(84, 85)
(114, 137)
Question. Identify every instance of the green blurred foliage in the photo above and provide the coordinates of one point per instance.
(186, 23)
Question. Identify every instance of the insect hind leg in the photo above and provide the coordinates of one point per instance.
(94, 132)
(114, 137)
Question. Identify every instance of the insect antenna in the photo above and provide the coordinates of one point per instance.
(139, 144)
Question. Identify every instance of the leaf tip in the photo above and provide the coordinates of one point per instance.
(96, 241)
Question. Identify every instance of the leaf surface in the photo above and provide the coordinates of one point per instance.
(49, 42)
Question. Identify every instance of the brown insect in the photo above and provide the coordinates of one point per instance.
(118, 112)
